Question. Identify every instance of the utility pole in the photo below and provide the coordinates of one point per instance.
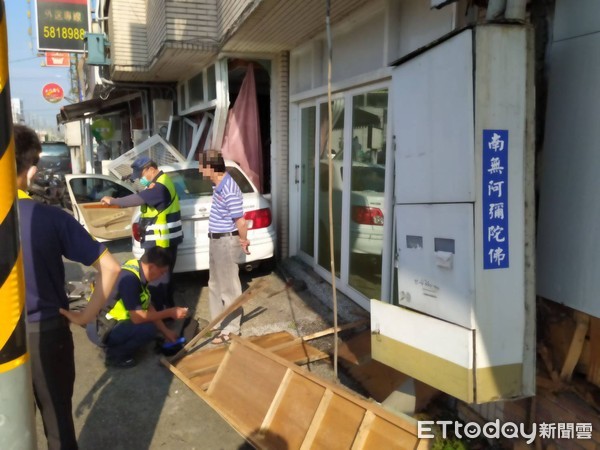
(17, 418)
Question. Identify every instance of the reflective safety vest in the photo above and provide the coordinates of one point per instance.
(162, 228)
(118, 310)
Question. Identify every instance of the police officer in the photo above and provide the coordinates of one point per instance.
(160, 220)
(47, 235)
(129, 320)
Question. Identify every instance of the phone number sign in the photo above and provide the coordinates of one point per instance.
(62, 24)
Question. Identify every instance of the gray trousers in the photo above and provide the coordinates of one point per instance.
(224, 285)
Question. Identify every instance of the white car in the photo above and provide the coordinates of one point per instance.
(366, 200)
(195, 195)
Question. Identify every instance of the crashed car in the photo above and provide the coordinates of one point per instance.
(195, 195)
(366, 202)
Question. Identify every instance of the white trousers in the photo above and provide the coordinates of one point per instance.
(224, 285)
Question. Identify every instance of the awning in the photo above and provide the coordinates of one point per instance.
(95, 106)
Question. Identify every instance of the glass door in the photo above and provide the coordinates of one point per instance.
(307, 179)
(367, 181)
(358, 153)
(337, 151)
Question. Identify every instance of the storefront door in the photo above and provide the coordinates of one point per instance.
(358, 153)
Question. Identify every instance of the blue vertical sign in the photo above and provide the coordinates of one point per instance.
(495, 199)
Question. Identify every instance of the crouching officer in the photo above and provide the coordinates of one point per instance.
(160, 221)
(129, 321)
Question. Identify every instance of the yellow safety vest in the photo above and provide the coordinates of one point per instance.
(162, 228)
(118, 311)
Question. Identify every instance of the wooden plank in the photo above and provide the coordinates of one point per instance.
(547, 360)
(246, 385)
(382, 434)
(289, 419)
(246, 295)
(308, 441)
(302, 353)
(340, 424)
(576, 346)
(307, 411)
(378, 379)
(356, 350)
(205, 363)
(211, 357)
(281, 391)
(363, 431)
(403, 421)
(319, 334)
(593, 371)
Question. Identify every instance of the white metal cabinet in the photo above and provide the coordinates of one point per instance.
(435, 260)
(434, 104)
(464, 321)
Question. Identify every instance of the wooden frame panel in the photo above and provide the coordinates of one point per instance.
(276, 405)
(247, 385)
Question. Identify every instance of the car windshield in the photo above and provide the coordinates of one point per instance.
(55, 157)
(57, 149)
(189, 183)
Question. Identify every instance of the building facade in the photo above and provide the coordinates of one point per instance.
(371, 147)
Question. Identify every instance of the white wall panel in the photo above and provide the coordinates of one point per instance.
(358, 51)
(419, 25)
(568, 247)
(573, 19)
(433, 124)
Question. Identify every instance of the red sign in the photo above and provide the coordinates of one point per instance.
(53, 93)
(58, 59)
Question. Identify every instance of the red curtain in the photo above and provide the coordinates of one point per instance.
(242, 142)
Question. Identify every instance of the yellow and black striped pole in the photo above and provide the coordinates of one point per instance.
(17, 420)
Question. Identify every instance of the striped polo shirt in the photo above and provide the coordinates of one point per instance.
(227, 206)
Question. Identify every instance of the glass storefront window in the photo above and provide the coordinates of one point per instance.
(196, 89)
(211, 83)
(365, 227)
(356, 153)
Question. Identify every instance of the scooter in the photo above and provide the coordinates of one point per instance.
(50, 188)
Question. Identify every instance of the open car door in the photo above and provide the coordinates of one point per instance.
(103, 222)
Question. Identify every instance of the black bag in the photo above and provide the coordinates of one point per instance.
(104, 326)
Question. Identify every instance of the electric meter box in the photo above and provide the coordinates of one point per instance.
(463, 319)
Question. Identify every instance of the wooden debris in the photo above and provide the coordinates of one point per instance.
(319, 334)
(276, 405)
(593, 371)
(576, 346)
(246, 295)
(378, 379)
(200, 367)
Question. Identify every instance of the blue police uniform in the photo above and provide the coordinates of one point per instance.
(47, 234)
(124, 338)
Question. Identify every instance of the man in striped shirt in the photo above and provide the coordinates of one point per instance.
(227, 232)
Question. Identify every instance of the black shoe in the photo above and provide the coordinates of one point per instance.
(120, 363)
